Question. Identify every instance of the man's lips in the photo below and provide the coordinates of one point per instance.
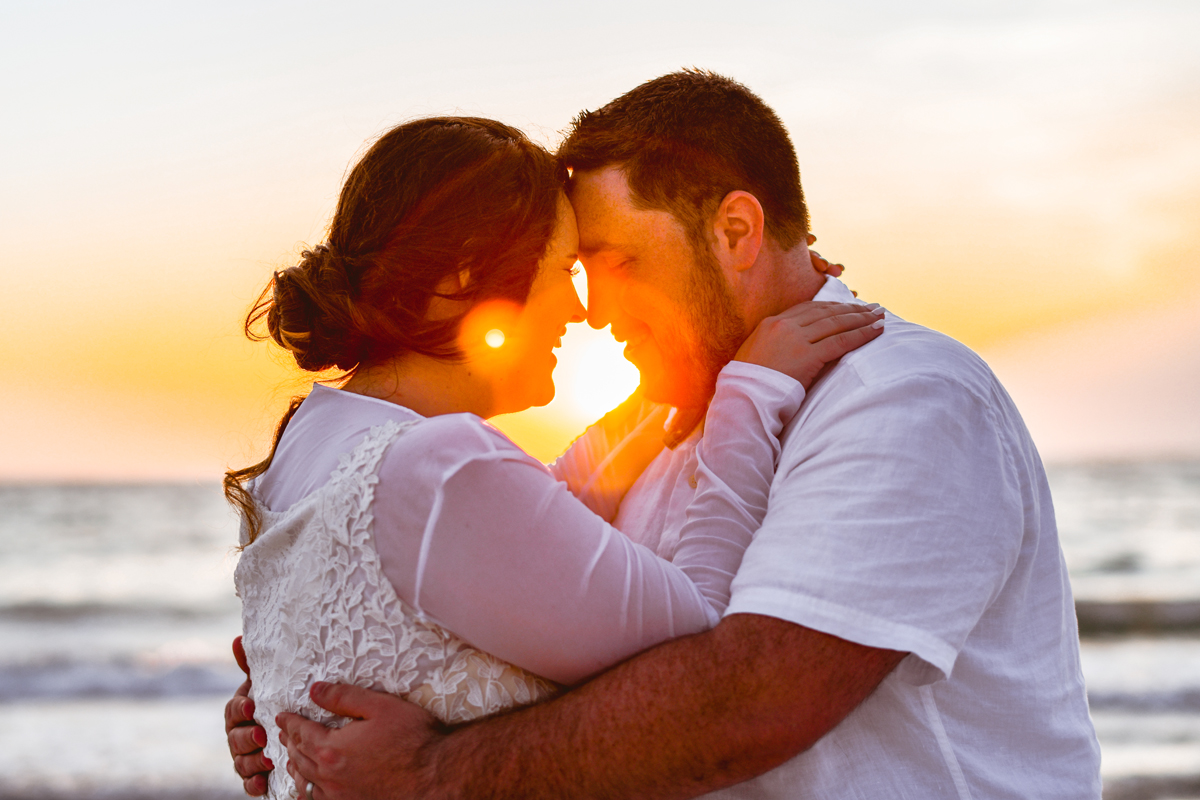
(632, 347)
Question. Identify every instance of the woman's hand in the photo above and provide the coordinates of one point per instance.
(822, 265)
(246, 738)
(801, 341)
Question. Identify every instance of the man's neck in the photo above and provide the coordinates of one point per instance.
(780, 280)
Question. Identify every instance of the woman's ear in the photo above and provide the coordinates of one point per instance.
(738, 228)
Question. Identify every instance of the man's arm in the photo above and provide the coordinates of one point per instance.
(688, 717)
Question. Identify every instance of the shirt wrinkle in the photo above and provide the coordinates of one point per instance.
(910, 511)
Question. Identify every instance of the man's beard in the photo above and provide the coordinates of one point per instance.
(715, 320)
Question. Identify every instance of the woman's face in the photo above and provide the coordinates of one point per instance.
(524, 346)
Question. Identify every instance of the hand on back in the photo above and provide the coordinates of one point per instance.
(801, 341)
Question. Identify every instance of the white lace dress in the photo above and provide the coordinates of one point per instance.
(319, 603)
(317, 607)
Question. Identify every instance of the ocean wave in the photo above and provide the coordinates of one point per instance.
(90, 680)
(1181, 701)
(1137, 616)
(45, 612)
(123, 793)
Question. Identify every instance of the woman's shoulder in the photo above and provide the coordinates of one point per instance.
(441, 444)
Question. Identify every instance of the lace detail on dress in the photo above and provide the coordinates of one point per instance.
(316, 606)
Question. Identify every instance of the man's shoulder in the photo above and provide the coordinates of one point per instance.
(441, 444)
(909, 377)
(908, 352)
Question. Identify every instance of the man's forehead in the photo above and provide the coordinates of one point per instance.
(609, 221)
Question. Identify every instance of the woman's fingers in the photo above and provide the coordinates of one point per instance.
(821, 329)
(834, 347)
(256, 786)
(812, 311)
(246, 740)
(240, 708)
(821, 264)
(239, 655)
(250, 765)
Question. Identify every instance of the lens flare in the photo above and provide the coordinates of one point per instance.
(490, 336)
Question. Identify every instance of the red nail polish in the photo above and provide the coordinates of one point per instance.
(260, 737)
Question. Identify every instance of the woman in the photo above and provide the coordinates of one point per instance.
(394, 540)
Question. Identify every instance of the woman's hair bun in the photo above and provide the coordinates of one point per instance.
(428, 199)
(312, 312)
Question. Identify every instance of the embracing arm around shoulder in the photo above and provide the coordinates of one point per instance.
(514, 564)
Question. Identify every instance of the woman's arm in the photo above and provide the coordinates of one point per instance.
(513, 563)
(735, 464)
(516, 565)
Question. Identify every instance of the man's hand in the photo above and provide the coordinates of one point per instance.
(246, 738)
(801, 341)
(381, 753)
(742, 699)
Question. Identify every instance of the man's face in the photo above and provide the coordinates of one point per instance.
(668, 303)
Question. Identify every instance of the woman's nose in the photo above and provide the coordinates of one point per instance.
(578, 313)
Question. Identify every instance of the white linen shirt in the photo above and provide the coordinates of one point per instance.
(910, 511)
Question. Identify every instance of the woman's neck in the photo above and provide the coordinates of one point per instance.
(426, 385)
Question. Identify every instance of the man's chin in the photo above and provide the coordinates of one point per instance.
(659, 388)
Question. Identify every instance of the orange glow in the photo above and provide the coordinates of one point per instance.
(485, 328)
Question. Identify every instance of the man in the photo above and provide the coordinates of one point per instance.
(901, 626)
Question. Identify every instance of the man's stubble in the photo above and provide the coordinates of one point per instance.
(715, 320)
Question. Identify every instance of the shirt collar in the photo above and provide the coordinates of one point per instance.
(835, 291)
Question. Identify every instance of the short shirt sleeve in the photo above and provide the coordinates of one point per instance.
(891, 519)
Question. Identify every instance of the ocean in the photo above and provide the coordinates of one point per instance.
(117, 612)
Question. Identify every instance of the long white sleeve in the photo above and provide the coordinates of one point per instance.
(484, 540)
(736, 462)
(512, 562)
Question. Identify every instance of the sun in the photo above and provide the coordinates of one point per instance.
(593, 376)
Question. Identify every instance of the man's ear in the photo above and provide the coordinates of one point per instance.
(738, 227)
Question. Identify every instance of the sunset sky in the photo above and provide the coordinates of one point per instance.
(1023, 176)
